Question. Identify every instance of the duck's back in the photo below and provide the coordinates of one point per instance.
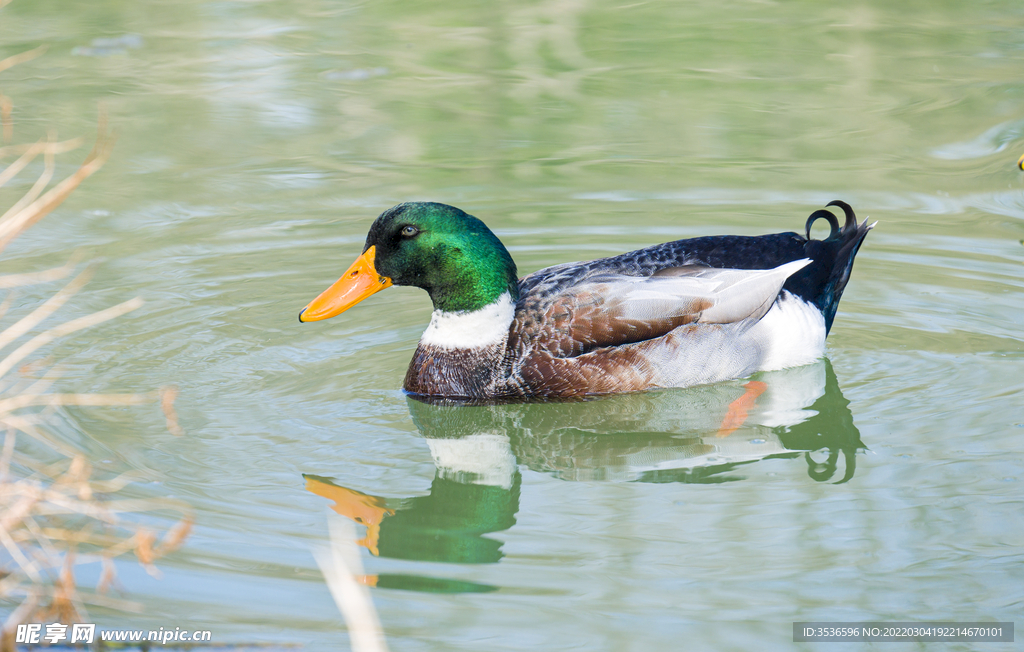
(820, 283)
(609, 325)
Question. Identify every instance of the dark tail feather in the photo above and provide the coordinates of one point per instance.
(822, 213)
(822, 283)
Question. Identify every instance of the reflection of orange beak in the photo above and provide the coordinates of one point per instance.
(360, 281)
(360, 507)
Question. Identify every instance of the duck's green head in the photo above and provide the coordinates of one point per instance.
(450, 254)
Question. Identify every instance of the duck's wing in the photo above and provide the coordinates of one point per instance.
(610, 310)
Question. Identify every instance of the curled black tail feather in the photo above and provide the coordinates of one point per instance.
(820, 214)
(851, 217)
(824, 213)
(822, 283)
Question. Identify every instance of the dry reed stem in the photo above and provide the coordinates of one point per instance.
(26, 400)
(5, 456)
(37, 535)
(27, 424)
(167, 396)
(55, 515)
(6, 123)
(30, 568)
(14, 223)
(35, 190)
(73, 494)
(44, 383)
(57, 148)
(51, 305)
(108, 576)
(22, 57)
(9, 281)
(18, 616)
(67, 328)
(17, 166)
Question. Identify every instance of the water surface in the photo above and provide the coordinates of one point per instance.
(258, 140)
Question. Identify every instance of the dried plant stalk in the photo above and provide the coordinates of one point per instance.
(57, 148)
(19, 218)
(8, 281)
(22, 57)
(7, 125)
(55, 516)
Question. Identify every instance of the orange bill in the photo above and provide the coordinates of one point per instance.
(360, 281)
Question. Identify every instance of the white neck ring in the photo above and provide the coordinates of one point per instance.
(471, 329)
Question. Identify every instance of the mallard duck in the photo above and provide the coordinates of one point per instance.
(677, 314)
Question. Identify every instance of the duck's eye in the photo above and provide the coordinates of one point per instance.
(409, 231)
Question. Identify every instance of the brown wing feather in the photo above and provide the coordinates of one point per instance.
(593, 318)
(615, 310)
(609, 333)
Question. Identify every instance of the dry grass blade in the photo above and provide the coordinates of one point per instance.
(175, 536)
(50, 552)
(6, 109)
(27, 400)
(5, 457)
(27, 495)
(22, 57)
(167, 397)
(55, 514)
(41, 385)
(17, 166)
(13, 223)
(19, 615)
(8, 281)
(51, 305)
(28, 424)
(29, 568)
(57, 332)
(108, 576)
(44, 542)
(35, 190)
(56, 148)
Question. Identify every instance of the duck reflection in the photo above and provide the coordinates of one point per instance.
(698, 434)
(447, 525)
(701, 434)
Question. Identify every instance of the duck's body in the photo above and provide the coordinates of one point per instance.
(682, 313)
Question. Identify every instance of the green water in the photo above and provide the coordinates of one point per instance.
(258, 140)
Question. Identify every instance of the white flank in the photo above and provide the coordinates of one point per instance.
(791, 334)
(471, 329)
